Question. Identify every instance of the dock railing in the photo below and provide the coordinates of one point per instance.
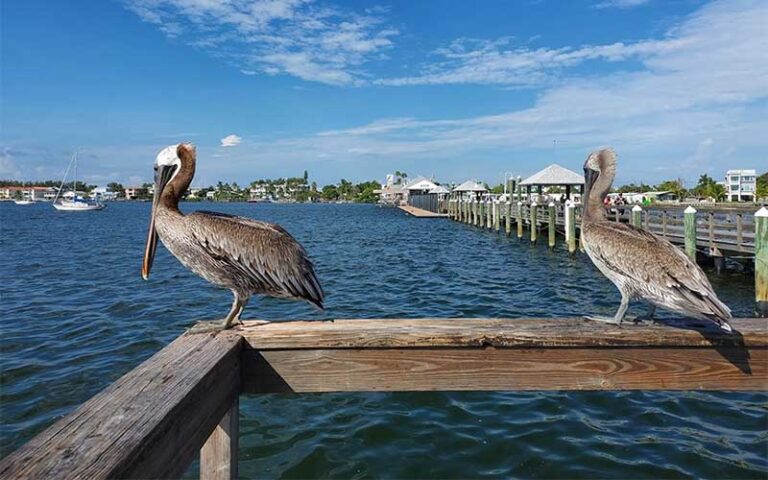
(182, 403)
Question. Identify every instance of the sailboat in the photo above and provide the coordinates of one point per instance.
(23, 202)
(77, 203)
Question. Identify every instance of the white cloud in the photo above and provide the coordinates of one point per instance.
(302, 38)
(623, 4)
(231, 141)
(698, 100)
(494, 62)
(8, 168)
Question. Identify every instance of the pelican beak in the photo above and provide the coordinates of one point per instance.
(590, 176)
(162, 175)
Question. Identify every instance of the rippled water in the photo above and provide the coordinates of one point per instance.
(76, 316)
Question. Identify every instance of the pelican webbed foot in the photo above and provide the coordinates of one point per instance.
(210, 326)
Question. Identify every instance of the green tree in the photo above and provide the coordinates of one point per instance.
(674, 186)
(116, 188)
(761, 191)
(330, 192)
(498, 188)
(306, 176)
(633, 188)
(366, 192)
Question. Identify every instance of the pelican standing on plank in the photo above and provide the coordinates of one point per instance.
(643, 266)
(246, 256)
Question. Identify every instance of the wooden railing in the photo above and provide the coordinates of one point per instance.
(183, 402)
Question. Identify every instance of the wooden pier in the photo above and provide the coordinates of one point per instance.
(418, 212)
(182, 403)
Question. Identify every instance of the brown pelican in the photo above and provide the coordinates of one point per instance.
(247, 256)
(642, 265)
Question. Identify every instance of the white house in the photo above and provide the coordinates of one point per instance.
(101, 193)
(420, 186)
(741, 185)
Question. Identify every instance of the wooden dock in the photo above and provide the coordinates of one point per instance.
(183, 402)
(418, 212)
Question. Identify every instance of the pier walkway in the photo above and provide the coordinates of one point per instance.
(418, 212)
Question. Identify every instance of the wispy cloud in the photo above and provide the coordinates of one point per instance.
(624, 4)
(702, 92)
(8, 168)
(301, 38)
(231, 141)
(498, 62)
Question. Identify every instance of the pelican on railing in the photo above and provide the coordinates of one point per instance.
(642, 265)
(248, 257)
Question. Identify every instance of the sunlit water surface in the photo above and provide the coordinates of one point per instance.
(76, 316)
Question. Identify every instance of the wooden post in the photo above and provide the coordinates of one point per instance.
(552, 222)
(478, 213)
(637, 212)
(496, 215)
(519, 218)
(570, 226)
(534, 220)
(508, 225)
(711, 225)
(218, 457)
(690, 232)
(761, 262)
(664, 224)
(739, 230)
(489, 214)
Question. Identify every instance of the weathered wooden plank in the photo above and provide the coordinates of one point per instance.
(218, 457)
(356, 370)
(151, 423)
(459, 332)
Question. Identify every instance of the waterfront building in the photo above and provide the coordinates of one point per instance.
(553, 176)
(259, 192)
(103, 194)
(33, 193)
(741, 185)
(420, 186)
(469, 189)
(132, 193)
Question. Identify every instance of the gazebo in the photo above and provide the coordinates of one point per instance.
(470, 189)
(554, 176)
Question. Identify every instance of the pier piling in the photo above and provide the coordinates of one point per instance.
(519, 219)
(552, 222)
(570, 226)
(761, 262)
(508, 225)
(534, 224)
(690, 232)
(637, 212)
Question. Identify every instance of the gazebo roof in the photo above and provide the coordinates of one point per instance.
(439, 189)
(554, 175)
(471, 186)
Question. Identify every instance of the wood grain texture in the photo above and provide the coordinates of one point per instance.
(417, 369)
(151, 423)
(462, 332)
(219, 455)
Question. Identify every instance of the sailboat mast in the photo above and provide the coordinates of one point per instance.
(74, 199)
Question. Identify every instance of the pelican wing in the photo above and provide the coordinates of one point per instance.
(263, 252)
(656, 264)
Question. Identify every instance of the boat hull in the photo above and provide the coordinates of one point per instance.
(78, 207)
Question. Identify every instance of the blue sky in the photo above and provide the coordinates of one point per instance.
(354, 89)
